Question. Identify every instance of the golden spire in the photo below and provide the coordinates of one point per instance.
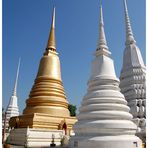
(51, 45)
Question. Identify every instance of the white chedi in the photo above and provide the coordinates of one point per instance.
(12, 108)
(104, 120)
(133, 78)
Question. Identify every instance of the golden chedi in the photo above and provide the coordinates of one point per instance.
(47, 106)
(47, 94)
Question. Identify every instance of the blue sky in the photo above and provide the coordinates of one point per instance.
(26, 25)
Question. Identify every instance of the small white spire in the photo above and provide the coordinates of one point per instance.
(102, 44)
(16, 81)
(129, 34)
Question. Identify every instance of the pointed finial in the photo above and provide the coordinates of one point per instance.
(102, 44)
(53, 18)
(16, 80)
(51, 45)
(129, 34)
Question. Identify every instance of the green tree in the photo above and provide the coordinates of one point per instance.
(72, 109)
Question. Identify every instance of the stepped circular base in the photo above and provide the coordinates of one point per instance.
(49, 110)
(124, 141)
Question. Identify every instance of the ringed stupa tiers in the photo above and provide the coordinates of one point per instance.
(46, 114)
(133, 79)
(47, 95)
(104, 120)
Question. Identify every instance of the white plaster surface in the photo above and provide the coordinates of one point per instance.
(31, 137)
(104, 120)
(133, 78)
(12, 108)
